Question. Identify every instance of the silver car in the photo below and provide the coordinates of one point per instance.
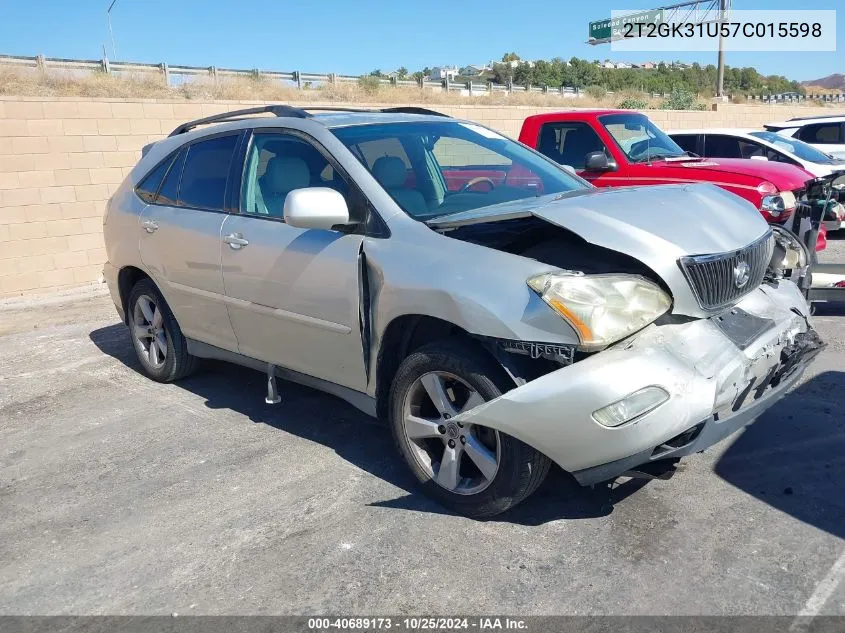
(497, 310)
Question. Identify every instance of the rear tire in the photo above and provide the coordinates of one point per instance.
(159, 343)
(470, 483)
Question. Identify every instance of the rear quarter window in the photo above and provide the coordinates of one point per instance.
(148, 189)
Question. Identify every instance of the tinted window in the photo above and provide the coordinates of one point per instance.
(721, 146)
(687, 142)
(170, 189)
(821, 133)
(276, 165)
(568, 143)
(205, 173)
(149, 186)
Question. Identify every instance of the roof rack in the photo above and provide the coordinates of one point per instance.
(290, 111)
(236, 115)
(822, 116)
(413, 110)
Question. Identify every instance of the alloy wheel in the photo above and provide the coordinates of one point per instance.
(460, 457)
(148, 331)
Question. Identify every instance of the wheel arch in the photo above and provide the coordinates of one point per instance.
(406, 334)
(126, 280)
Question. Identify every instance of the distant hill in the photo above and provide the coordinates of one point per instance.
(831, 82)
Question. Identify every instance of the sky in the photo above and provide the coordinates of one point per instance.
(358, 36)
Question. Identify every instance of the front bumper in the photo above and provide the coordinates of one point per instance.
(720, 375)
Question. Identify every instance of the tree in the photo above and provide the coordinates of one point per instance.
(401, 72)
(376, 73)
(510, 57)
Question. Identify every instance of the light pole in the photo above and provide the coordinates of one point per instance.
(111, 33)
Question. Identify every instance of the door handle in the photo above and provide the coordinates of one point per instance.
(150, 226)
(235, 241)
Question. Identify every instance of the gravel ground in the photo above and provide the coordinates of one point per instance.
(122, 496)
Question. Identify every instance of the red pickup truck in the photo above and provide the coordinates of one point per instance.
(615, 148)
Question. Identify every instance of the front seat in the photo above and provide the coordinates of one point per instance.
(391, 173)
(283, 175)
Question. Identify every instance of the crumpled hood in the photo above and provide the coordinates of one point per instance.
(656, 225)
(674, 219)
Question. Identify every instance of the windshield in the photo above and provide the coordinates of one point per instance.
(436, 168)
(639, 138)
(797, 148)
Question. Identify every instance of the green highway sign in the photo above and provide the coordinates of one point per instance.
(611, 28)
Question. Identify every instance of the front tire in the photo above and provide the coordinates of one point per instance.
(472, 469)
(159, 343)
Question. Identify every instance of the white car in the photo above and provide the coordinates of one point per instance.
(826, 132)
(768, 146)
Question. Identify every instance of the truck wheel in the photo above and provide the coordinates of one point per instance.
(162, 349)
(472, 469)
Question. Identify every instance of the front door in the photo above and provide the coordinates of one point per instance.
(292, 294)
(180, 239)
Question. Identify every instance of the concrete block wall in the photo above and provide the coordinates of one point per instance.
(61, 159)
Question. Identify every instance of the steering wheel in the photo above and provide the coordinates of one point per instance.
(474, 181)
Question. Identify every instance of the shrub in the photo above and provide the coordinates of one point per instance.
(369, 84)
(680, 99)
(596, 92)
(633, 103)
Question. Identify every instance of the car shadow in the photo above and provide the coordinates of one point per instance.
(359, 439)
(793, 457)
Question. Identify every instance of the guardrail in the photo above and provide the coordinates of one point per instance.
(177, 75)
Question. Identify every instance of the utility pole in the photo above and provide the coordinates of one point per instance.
(720, 72)
(111, 33)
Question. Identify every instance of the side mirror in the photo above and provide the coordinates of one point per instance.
(765, 158)
(316, 208)
(598, 161)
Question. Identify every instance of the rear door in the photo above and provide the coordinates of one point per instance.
(180, 238)
(293, 294)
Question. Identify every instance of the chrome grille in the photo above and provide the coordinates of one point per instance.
(715, 279)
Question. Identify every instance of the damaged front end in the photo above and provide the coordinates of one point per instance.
(710, 342)
(681, 386)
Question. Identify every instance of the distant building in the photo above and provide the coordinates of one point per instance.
(473, 70)
(623, 65)
(439, 73)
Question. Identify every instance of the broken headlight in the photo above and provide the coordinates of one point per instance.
(789, 253)
(601, 309)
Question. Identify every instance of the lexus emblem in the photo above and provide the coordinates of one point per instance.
(742, 272)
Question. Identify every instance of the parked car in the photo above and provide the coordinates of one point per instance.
(619, 148)
(767, 146)
(826, 132)
(499, 328)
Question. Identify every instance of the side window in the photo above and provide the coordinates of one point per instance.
(170, 188)
(749, 149)
(148, 189)
(206, 170)
(568, 143)
(687, 142)
(276, 164)
(717, 146)
(821, 133)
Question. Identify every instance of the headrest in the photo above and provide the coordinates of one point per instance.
(390, 171)
(286, 173)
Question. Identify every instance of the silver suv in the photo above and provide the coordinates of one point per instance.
(497, 310)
